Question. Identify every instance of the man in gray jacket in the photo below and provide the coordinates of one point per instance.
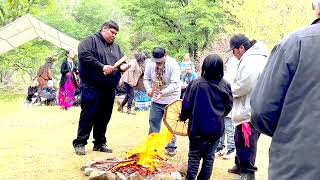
(286, 104)
(252, 56)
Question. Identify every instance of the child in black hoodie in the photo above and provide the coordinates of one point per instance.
(207, 100)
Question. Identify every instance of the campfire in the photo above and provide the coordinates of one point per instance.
(145, 161)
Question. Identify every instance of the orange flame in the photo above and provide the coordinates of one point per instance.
(152, 150)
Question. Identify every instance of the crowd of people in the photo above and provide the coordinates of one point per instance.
(41, 91)
(254, 92)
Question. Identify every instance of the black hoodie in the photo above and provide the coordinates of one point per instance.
(205, 104)
(94, 52)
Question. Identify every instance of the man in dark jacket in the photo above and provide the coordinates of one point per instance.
(99, 79)
(286, 102)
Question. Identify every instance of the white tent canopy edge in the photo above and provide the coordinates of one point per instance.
(28, 28)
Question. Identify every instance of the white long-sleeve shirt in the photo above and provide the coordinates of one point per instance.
(171, 81)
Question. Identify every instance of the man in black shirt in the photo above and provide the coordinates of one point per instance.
(99, 79)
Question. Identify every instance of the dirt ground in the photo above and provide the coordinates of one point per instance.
(36, 143)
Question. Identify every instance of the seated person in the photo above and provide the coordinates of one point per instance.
(77, 97)
(186, 78)
(49, 94)
(32, 92)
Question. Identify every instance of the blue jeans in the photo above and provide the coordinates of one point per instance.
(229, 130)
(201, 148)
(155, 120)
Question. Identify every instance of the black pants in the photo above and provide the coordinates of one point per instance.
(200, 148)
(96, 110)
(246, 156)
(129, 96)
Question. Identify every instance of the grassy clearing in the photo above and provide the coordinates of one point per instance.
(36, 142)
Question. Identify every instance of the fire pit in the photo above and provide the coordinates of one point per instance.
(145, 161)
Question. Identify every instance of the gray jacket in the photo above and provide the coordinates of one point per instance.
(286, 105)
(249, 69)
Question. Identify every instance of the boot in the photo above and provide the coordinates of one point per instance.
(130, 112)
(234, 170)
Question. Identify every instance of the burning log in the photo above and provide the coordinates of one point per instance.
(147, 160)
(110, 167)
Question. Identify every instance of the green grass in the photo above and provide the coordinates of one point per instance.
(36, 143)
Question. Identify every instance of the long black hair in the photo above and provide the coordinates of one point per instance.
(47, 65)
(212, 67)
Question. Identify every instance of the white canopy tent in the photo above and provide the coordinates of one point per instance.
(28, 28)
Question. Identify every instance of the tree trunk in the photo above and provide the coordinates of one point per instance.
(9, 76)
(206, 37)
(193, 51)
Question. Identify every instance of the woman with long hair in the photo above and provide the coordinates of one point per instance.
(44, 73)
(68, 82)
(130, 79)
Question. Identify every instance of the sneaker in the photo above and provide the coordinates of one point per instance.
(171, 151)
(102, 148)
(80, 150)
(247, 176)
(220, 151)
(234, 170)
(230, 154)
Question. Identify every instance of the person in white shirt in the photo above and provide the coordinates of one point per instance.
(162, 83)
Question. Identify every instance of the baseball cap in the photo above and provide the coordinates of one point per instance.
(158, 54)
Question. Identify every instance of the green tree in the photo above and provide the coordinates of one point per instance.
(84, 19)
(11, 10)
(179, 26)
(271, 20)
(76, 20)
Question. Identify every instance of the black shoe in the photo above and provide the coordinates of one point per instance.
(234, 170)
(80, 150)
(247, 176)
(102, 148)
